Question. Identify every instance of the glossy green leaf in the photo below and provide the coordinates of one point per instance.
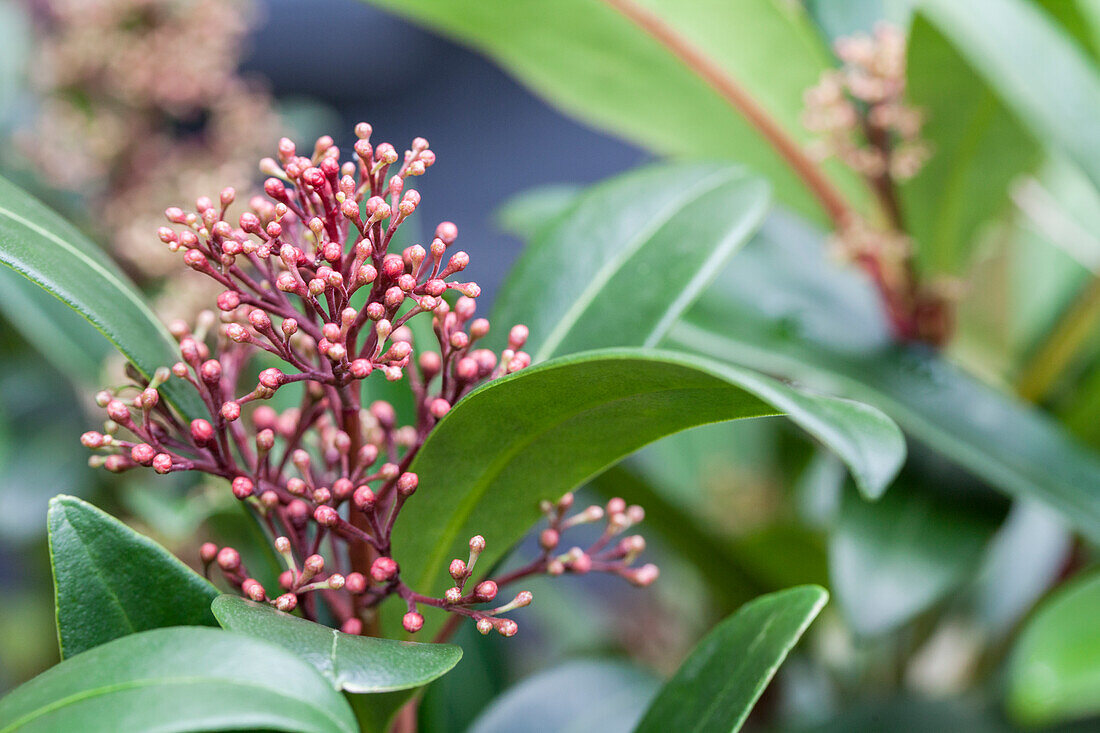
(629, 256)
(529, 211)
(979, 148)
(110, 581)
(39, 245)
(1058, 100)
(545, 430)
(1054, 671)
(893, 559)
(181, 680)
(591, 695)
(784, 309)
(716, 687)
(359, 665)
(600, 66)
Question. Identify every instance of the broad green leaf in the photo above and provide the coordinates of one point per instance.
(110, 581)
(723, 677)
(978, 149)
(595, 63)
(42, 247)
(1058, 100)
(359, 665)
(527, 212)
(67, 341)
(893, 559)
(1054, 670)
(784, 309)
(545, 430)
(629, 256)
(181, 680)
(578, 696)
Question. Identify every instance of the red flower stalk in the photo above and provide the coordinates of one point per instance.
(309, 283)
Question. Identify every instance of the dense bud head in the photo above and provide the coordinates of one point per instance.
(439, 407)
(486, 590)
(645, 575)
(242, 487)
(271, 378)
(407, 483)
(383, 569)
(549, 539)
(287, 602)
(202, 432)
(229, 559)
(412, 621)
(253, 590)
(355, 583)
(92, 439)
(457, 569)
(208, 552)
(162, 463)
(364, 499)
(118, 411)
(143, 453)
(447, 232)
(326, 516)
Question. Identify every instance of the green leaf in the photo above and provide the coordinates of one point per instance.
(893, 559)
(978, 149)
(591, 695)
(527, 212)
(784, 309)
(1058, 100)
(600, 66)
(543, 431)
(360, 665)
(1054, 670)
(110, 581)
(629, 256)
(724, 676)
(179, 679)
(39, 245)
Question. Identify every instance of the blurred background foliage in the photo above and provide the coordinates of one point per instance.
(965, 598)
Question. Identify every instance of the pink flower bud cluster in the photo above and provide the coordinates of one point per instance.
(313, 304)
(860, 109)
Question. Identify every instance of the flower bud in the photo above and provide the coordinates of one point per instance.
(412, 621)
(383, 569)
(486, 590)
(242, 487)
(407, 483)
(287, 602)
(326, 516)
(355, 583)
(229, 559)
(458, 569)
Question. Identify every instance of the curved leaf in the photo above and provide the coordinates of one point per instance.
(1058, 100)
(39, 245)
(367, 668)
(592, 61)
(629, 256)
(1054, 671)
(545, 430)
(784, 309)
(180, 679)
(724, 676)
(110, 581)
(893, 559)
(589, 695)
(356, 664)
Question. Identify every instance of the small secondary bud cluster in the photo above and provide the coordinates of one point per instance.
(313, 304)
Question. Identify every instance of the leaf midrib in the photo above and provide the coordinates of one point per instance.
(596, 284)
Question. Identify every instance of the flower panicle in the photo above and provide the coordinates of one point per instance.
(313, 304)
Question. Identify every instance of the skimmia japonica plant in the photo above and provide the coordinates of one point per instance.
(311, 284)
